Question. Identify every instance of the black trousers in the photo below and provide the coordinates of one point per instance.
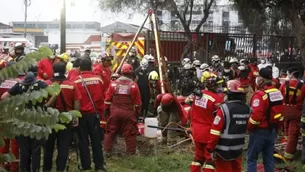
(63, 139)
(89, 126)
(30, 152)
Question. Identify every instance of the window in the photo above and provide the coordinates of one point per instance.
(53, 26)
(77, 26)
(68, 26)
(90, 26)
(210, 23)
(225, 15)
(196, 22)
(42, 26)
(196, 12)
(30, 25)
(18, 25)
(225, 24)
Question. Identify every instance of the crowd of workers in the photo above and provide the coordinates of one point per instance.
(220, 103)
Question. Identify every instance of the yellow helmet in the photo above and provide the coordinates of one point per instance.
(153, 76)
(65, 57)
(206, 75)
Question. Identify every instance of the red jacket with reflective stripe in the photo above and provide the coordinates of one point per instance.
(45, 66)
(259, 106)
(104, 73)
(69, 95)
(96, 88)
(202, 115)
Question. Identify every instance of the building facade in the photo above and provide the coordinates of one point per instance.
(76, 32)
(222, 18)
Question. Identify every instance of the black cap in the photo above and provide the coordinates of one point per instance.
(226, 64)
(266, 73)
(59, 67)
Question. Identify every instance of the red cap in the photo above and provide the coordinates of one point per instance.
(126, 69)
(167, 99)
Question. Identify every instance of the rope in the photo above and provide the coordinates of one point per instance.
(189, 135)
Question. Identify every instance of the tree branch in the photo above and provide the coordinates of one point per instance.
(207, 7)
(191, 13)
(186, 3)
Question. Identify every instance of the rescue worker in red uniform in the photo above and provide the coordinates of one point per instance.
(103, 69)
(11, 145)
(202, 116)
(185, 107)
(45, 67)
(228, 131)
(169, 110)
(91, 103)
(64, 102)
(264, 122)
(122, 106)
(293, 91)
(75, 71)
(283, 76)
(253, 72)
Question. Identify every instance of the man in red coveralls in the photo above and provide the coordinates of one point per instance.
(293, 91)
(202, 116)
(169, 110)
(64, 102)
(45, 67)
(91, 103)
(10, 145)
(228, 132)
(74, 72)
(264, 122)
(253, 72)
(103, 69)
(122, 106)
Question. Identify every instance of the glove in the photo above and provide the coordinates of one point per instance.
(106, 113)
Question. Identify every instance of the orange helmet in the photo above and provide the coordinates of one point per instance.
(234, 86)
(167, 99)
(2, 64)
(181, 99)
(126, 69)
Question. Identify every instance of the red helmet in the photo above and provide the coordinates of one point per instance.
(167, 99)
(234, 86)
(126, 69)
(181, 99)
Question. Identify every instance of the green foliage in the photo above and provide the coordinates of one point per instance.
(38, 122)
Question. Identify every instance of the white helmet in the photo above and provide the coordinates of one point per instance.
(234, 60)
(242, 61)
(196, 63)
(215, 58)
(241, 68)
(204, 66)
(186, 61)
(144, 63)
(187, 66)
(87, 49)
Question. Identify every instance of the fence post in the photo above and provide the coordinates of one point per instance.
(254, 45)
(207, 49)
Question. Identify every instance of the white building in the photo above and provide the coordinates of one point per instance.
(223, 18)
(76, 32)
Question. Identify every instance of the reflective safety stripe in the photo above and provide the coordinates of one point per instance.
(108, 103)
(303, 132)
(227, 148)
(303, 119)
(194, 163)
(207, 166)
(89, 79)
(187, 108)
(271, 90)
(282, 118)
(253, 122)
(209, 97)
(265, 97)
(288, 155)
(67, 86)
(277, 116)
(215, 132)
(103, 122)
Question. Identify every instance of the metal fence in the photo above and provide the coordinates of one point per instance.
(173, 45)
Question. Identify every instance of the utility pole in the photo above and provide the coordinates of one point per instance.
(26, 5)
(63, 28)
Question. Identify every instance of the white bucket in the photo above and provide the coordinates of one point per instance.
(150, 132)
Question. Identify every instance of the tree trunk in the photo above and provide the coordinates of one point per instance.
(298, 28)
